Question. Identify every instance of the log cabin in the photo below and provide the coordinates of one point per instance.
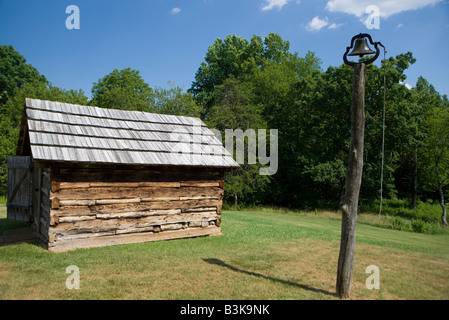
(85, 176)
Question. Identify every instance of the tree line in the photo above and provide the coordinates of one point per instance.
(260, 84)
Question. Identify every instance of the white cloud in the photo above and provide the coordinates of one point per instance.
(271, 4)
(335, 25)
(175, 10)
(386, 7)
(407, 85)
(317, 24)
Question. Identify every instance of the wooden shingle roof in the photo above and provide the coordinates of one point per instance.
(72, 133)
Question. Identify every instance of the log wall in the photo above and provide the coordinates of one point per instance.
(90, 207)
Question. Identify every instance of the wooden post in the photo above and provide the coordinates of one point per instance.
(353, 182)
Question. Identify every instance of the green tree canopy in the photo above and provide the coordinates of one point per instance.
(11, 116)
(435, 155)
(237, 58)
(15, 72)
(123, 89)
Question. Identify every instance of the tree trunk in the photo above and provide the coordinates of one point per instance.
(442, 204)
(353, 183)
(415, 181)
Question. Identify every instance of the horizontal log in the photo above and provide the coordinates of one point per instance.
(78, 185)
(199, 198)
(74, 209)
(72, 185)
(200, 183)
(113, 223)
(74, 219)
(114, 174)
(83, 235)
(75, 202)
(114, 201)
(172, 226)
(200, 223)
(138, 214)
(159, 199)
(64, 245)
(140, 192)
(211, 209)
(110, 228)
(160, 184)
(134, 230)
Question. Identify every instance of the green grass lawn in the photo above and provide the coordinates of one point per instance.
(261, 255)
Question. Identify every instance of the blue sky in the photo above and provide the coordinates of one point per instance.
(166, 40)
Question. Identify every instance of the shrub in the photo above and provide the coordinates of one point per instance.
(399, 223)
(421, 226)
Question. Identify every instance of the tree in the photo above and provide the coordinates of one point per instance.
(237, 58)
(11, 116)
(15, 72)
(436, 155)
(234, 108)
(174, 101)
(226, 58)
(123, 89)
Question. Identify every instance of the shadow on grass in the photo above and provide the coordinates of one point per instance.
(221, 263)
(16, 232)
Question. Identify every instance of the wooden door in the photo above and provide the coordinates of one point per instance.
(19, 188)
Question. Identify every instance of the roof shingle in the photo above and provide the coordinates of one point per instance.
(73, 133)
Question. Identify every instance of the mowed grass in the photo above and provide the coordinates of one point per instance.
(261, 255)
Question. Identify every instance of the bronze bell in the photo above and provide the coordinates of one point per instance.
(361, 48)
